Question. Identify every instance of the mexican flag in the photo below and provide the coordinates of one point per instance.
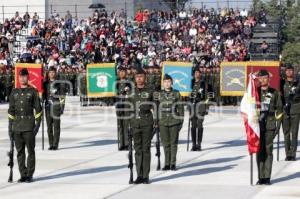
(101, 80)
(249, 109)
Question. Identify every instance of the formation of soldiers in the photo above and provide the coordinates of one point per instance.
(276, 107)
(145, 104)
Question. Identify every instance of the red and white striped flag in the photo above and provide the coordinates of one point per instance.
(249, 109)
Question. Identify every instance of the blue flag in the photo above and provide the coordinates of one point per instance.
(181, 72)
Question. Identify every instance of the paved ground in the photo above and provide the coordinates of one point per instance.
(88, 164)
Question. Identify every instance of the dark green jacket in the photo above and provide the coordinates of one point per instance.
(142, 104)
(291, 94)
(22, 104)
(270, 100)
(199, 96)
(171, 109)
(151, 81)
(54, 95)
(123, 88)
(83, 84)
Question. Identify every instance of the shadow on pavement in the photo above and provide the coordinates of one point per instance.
(92, 144)
(195, 172)
(232, 143)
(214, 161)
(81, 172)
(286, 178)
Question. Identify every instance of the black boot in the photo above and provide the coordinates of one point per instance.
(260, 182)
(293, 158)
(146, 181)
(198, 147)
(200, 136)
(194, 148)
(22, 179)
(173, 167)
(193, 133)
(139, 180)
(267, 181)
(166, 168)
(29, 179)
(287, 158)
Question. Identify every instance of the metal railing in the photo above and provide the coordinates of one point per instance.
(81, 11)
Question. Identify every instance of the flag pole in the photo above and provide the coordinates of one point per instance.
(251, 169)
(251, 155)
(43, 126)
(278, 141)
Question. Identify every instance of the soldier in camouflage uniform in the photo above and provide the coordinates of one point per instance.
(71, 78)
(209, 80)
(130, 75)
(157, 73)
(291, 117)
(216, 85)
(141, 98)
(9, 82)
(54, 107)
(151, 78)
(24, 115)
(171, 113)
(270, 114)
(83, 88)
(199, 106)
(123, 87)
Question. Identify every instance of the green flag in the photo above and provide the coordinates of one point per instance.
(101, 80)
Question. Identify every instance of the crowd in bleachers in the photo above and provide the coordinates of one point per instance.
(202, 36)
(205, 37)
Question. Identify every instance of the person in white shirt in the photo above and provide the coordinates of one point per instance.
(193, 31)
(182, 14)
(244, 13)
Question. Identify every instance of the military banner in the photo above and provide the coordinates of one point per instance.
(233, 78)
(181, 72)
(35, 75)
(273, 67)
(101, 80)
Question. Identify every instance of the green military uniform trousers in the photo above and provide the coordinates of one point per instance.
(265, 154)
(142, 137)
(290, 126)
(22, 140)
(169, 137)
(53, 124)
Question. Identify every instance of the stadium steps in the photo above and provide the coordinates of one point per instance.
(20, 41)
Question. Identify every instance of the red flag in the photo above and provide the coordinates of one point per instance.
(249, 109)
(35, 75)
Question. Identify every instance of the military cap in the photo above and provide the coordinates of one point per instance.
(23, 72)
(122, 68)
(263, 72)
(52, 68)
(289, 66)
(168, 77)
(139, 70)
(197, 68)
